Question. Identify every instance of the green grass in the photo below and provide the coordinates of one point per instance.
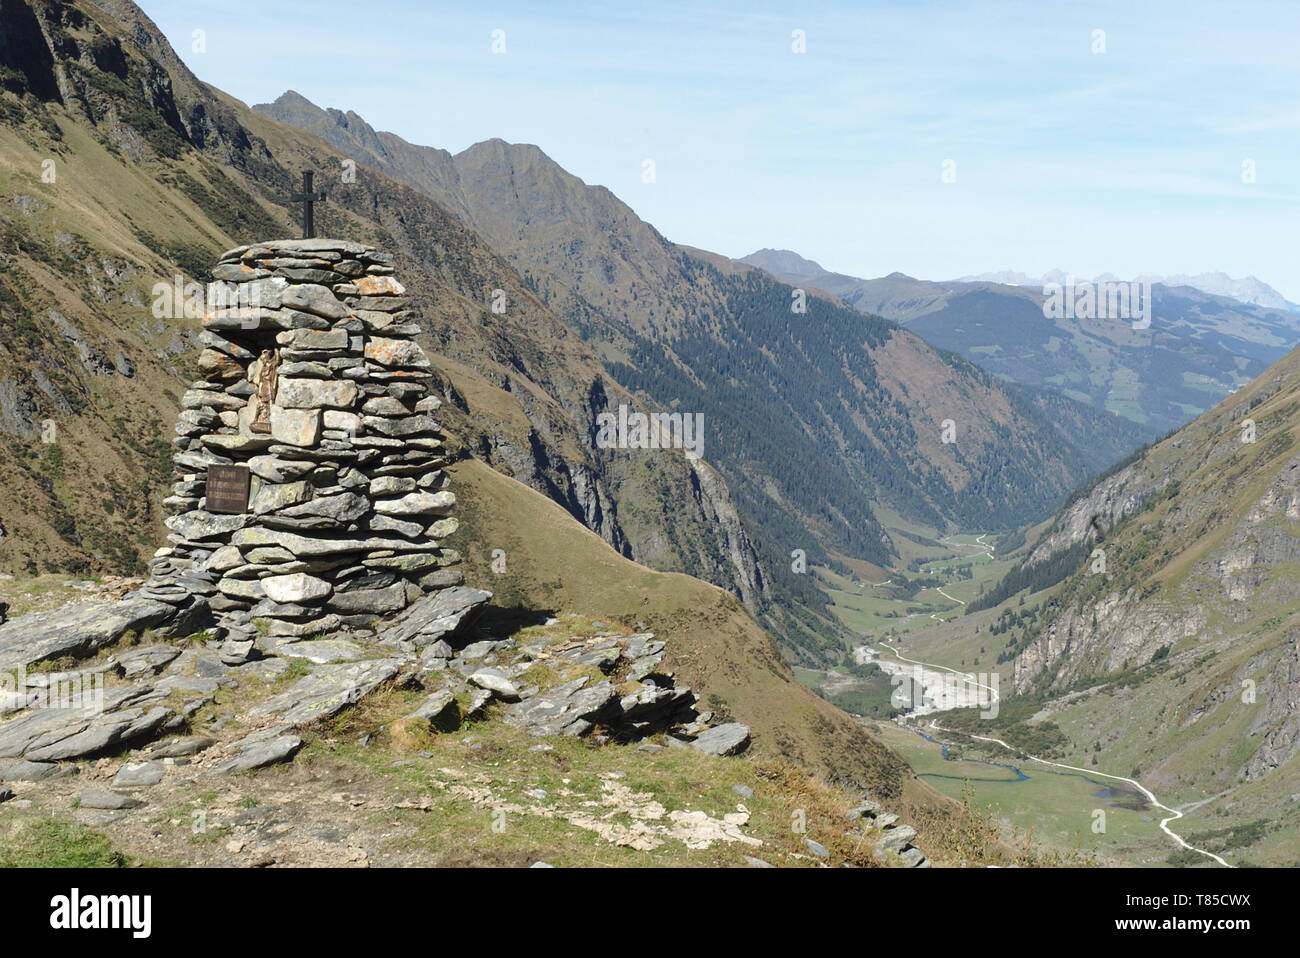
(474, 808)
(897, 609)
(51, 843)
(1055, 808)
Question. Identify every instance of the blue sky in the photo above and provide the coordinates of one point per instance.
(1128, 161)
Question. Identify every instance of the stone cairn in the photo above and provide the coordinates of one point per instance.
(312, 381)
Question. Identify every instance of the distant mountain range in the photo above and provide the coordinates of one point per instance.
(821, 422)
(1200, 347)
(1247, 290)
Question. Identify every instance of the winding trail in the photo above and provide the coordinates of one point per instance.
(950, 598)
(979, 545)
(981, 548)
(1174, 815)
(968, 676)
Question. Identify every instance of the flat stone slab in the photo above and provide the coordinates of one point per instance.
(309, 547)
(896, 839)
(569, 709)
(138, 774)
(107, 798)
(438, 614)
(495, 682)
(328, 690)
(653, 703)
(644, 667)
(58, 734)
(322, 651)
(913, 857)
(146, 659)
(479, 650)
(79, 629)
(24, 771)
(267, 747)
(438, 709)
(729, 739)
(477, 703)
(268, 670)
(182, 747)
(188, 683)
(866, 809)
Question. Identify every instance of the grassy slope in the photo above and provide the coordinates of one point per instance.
(373, 786)
(112, 439)
(715, 647)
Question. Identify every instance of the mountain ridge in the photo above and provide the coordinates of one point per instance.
(1248, 290)
(1198, 349)
(693, 330)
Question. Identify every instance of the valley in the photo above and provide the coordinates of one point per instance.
(957, 747)
(961, 582)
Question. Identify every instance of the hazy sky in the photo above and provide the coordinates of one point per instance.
(1128, 161)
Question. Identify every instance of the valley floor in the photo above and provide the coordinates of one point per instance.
(1086, 811)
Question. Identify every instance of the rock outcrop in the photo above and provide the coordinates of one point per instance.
(1092, 515)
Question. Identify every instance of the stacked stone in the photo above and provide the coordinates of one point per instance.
(348, 502)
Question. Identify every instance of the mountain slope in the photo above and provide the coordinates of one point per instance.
(154, 174)
(718, 650)
(1200, 346)
(1177, 656)
(820, 420)
(415, 788)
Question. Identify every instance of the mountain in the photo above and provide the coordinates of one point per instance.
(124, 171)
(1160, 611)
(1247, 290)
(1011, 277)
(1198, 349)
(153, 174)
(787, 265)
(822, 421)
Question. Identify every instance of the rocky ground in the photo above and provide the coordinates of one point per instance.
(426, 741)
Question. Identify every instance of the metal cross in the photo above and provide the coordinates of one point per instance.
(307, 198)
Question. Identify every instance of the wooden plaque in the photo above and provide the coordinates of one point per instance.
(227, 489)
